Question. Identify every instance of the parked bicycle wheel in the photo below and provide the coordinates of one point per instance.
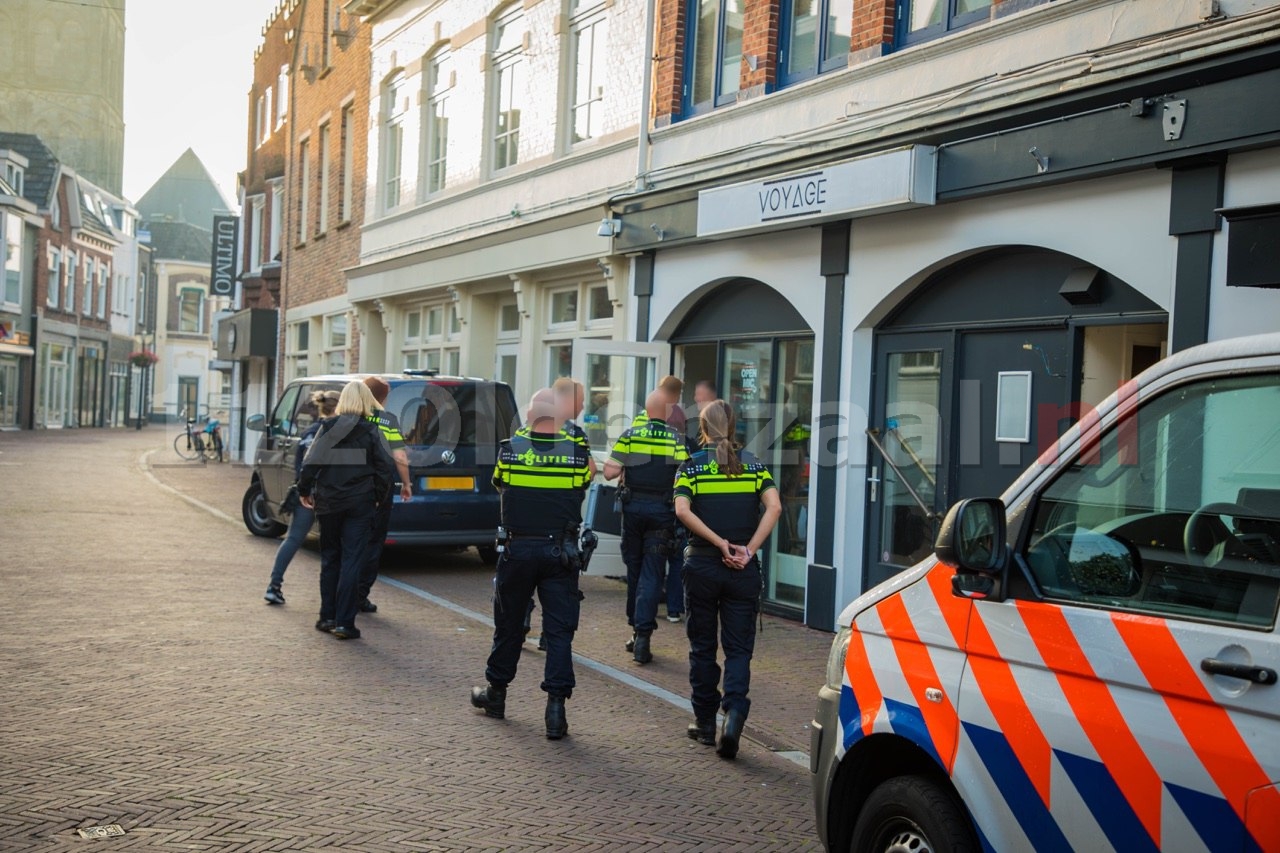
(186, 446)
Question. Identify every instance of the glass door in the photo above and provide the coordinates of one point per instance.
(791, 427)
(504, 363)
(8, 393)
(616, 376)
(906, 484)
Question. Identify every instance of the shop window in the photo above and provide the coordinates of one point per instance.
(394, 106)
(588, 37)
(559, 361)
(440, 79)
(713, 54)
(922, 20)
(815, 38)
(508, 88)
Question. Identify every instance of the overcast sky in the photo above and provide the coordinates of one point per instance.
(188, 68)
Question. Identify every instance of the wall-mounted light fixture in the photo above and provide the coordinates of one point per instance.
(609, 227)
(1042, 160)
(662, 234)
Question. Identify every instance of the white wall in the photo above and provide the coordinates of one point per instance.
(1252, 178)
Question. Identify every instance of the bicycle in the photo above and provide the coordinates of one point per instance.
(204, 445)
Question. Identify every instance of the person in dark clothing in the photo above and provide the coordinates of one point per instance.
(346, 473)
(542, 474)
(324, 402)
(389, 426)
(649, 453)
(718, 496)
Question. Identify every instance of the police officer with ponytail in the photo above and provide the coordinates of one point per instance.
(650, 453)
(542, 474)
(728, 502)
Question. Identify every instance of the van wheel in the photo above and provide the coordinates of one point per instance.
(488, 554)
(254, 510)
(910, 814)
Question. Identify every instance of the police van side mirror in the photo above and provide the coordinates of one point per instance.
(971, 539)
(257, 423)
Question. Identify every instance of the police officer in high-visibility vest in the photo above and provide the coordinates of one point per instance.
(649, 454)
(389, 427)
(542, 475)
(718, 497)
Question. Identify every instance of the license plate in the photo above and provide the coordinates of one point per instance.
(449, 483)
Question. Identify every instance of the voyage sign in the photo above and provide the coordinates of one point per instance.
(226, 230)
(877, 183)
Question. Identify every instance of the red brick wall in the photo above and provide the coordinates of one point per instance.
(669, 65)
(313, 268)
(760, 39)
(872, 25)
(50, 237)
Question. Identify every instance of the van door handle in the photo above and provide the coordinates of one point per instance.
(1256, 674)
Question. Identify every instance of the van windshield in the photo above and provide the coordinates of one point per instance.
(450, 416)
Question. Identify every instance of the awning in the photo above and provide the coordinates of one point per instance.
(15, 349)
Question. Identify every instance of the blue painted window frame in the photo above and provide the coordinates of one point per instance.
(687, 107)
(821, 66)
(951, 21)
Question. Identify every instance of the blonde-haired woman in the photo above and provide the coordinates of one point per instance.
(346, 472)
(323, 403)
(718, 494)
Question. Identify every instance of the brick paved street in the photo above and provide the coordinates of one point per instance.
(149, 686)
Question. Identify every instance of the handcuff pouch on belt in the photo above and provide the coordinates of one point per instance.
(500, 542)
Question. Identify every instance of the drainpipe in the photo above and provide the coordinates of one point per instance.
(646, 96)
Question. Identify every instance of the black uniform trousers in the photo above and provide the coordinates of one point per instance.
(344, 546)
(648, 535)
(726, 600)
(377, 540)
(528, 565)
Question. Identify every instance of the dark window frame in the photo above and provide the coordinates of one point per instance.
(951, 22)
(821, 65)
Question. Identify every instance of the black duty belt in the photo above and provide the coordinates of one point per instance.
(545, 537)
(662, 494)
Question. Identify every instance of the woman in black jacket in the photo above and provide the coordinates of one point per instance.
(346, 471)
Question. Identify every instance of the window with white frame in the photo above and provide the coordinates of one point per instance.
(304, 188)
(509, 320)
(266, 116)
(70, 281)
(86, 302)
(104, 281)
(11, 226)
(394, 106)
(322, 218)
(574, 311)
(508, 87)
(588, 34)
(439, 81)
(120, 295)
(53, 289)
(260, 121)
(254, 237)
(191, 310)
(282, 103)
(13, 177)
(335, 343)
(277, 222)
(55, 212)
(432, 338)
(297, 349)
(346, 163)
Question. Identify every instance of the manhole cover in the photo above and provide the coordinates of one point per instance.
(108, 831)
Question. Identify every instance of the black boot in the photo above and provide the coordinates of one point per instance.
(703, 731)
(492, 699)
(641, 653)
(557, 725)
(731, 733)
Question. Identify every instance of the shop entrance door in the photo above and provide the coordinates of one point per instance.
(908, 436)
(616, 376)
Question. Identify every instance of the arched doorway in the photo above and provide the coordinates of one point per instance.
(750, 342)
(983, 366)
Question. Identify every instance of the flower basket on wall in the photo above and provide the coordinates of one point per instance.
(143, 358)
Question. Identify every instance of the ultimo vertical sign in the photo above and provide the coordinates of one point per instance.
(226, 230)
